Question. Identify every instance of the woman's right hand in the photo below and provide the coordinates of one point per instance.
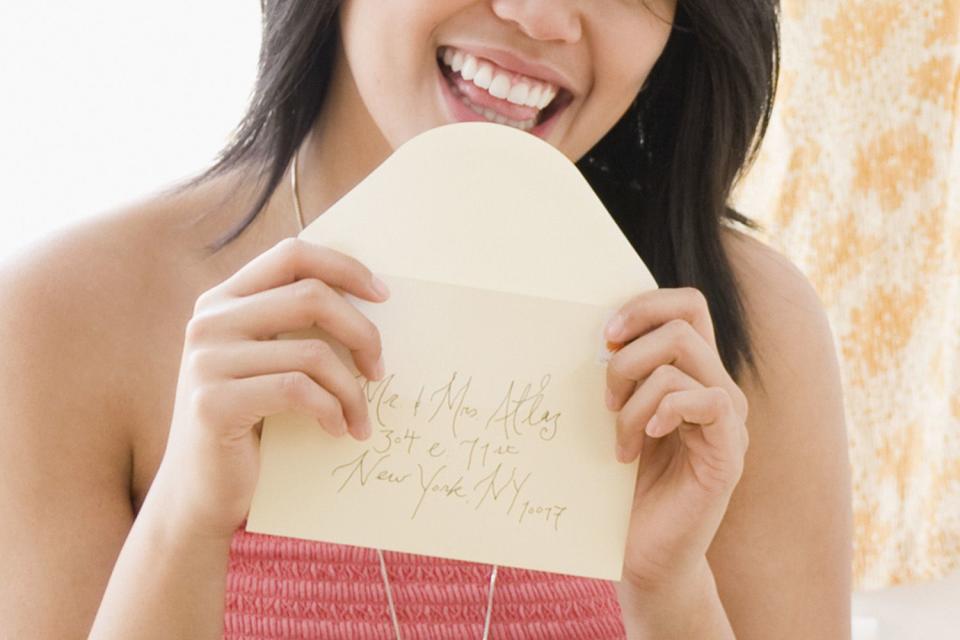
(233, 374)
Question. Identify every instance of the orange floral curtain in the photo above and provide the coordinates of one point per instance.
(858, 182)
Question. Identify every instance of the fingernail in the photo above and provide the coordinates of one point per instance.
(621, 453)
(379, 369)
(380, 287)
(653, 427)
(609, 399)
(614, 327)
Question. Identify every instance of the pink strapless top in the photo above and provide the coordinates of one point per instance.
(279, 587)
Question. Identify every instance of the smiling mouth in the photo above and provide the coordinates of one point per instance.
(500, 95)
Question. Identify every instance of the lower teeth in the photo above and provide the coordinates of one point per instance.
(492, 116)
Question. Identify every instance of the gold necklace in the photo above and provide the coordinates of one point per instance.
(383, 564)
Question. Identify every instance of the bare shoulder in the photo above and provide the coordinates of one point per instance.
(76, 317)
(786, 315)
(68, 456)
(782, 556)
(64, 296)
(107, 295)
(795, 393)
(82, 296)
(91, 322)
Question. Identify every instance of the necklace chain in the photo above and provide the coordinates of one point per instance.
(293, 189)
(383, 564)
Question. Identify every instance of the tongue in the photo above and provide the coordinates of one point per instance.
(482, 98)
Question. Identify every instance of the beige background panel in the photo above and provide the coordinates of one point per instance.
(858, 183)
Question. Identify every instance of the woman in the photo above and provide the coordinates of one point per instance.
(137, 367)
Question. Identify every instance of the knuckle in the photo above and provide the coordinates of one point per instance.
(667, 404)
(666, 376)
(679, 332)
(291, 248)
(636, 300)
(722, 402)
(316, 351)
(203, 300)
(743, 403)
(200, 359)
(199, 327)
(291, 251)
(294, 386)
(202, 400)
(309, 290)
(696, 296)
(330, 409)
(616, 366)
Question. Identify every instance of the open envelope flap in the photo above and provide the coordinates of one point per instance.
(490, 440)
(487, 206)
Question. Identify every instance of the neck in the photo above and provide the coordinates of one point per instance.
(341, 149)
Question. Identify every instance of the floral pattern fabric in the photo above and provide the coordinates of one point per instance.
(858, 182)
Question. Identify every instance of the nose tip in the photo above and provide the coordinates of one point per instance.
(541, 19)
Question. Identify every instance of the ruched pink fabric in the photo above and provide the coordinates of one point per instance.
(279, 587)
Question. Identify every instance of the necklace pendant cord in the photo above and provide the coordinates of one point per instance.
(383, 565)
(293, 189)
(393, 608)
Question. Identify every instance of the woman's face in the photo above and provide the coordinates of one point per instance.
(418, 64)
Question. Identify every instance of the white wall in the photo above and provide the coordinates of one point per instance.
(102, 101)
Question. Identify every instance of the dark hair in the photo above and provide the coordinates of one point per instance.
(665, 171)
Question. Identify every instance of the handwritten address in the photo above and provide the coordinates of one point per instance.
(438, 447)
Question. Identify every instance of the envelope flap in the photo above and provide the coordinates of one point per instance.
(484, 205)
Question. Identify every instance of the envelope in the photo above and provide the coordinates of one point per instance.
(491, 440)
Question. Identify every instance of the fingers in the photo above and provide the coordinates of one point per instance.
(642, 405)
(238, 375)
(651, 309)
(316, 358)
(666, 376)
(676, 343)
(239, 403)
(297, 305)
(292, 259)
(713, 432)
(705, 406)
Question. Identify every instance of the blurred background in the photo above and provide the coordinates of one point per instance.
(858, 182)
(114, 99)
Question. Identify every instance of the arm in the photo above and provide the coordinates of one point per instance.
(779, 564)
(167, 582)
(689, 608)
(782, 556)
(66, 467)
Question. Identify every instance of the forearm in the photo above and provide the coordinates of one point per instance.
(689, 609)
(166, 583)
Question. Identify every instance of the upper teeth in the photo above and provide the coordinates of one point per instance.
(496, 82)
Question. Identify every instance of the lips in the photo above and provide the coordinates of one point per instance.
(500, 95)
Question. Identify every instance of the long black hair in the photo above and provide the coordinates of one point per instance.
(665, 171)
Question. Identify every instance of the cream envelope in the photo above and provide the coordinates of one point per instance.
(491, 441)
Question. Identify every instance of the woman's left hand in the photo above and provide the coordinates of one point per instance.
(682, 413)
